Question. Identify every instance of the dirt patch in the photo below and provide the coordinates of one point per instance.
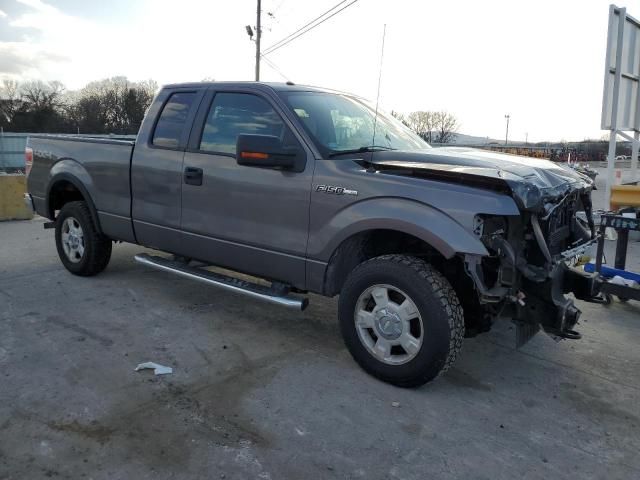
(93, 431)
(593, 404)
(459, 378)
(161, 424)
(105, 341)
(160, 431)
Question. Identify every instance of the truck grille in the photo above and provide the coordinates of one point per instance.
(559, 224)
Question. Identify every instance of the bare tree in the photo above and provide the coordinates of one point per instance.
(9, 100)
(400, 117)
(150, 87)
(35, 106)
(423, 123)
(113, 105)
(38, 95)
(10, 89)
(446, 125)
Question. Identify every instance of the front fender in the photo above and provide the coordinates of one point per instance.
(408, 216)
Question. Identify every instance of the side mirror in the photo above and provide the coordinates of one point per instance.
(266, 151)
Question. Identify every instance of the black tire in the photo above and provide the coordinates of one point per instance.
(438, 306)
(97, 247)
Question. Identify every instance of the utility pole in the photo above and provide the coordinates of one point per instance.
(258, 35)
(506, 135)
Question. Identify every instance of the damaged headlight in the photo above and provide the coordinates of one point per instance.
(526, 195)
(487, 226)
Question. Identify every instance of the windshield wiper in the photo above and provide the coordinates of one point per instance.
(369, 148)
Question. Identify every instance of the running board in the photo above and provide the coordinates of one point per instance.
(261, 292)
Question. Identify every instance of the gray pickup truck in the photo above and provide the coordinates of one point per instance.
(314, 191)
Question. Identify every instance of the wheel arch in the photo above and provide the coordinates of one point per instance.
(385, 226)
(411, 217)
(65, 187)
(371, 243)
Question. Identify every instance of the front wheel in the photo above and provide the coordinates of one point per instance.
(401, 320)
(82, 249)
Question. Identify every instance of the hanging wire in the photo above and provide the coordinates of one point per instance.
(312, 24)
(274, 67)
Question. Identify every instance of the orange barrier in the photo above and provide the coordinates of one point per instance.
(624, 196)
(12, 206)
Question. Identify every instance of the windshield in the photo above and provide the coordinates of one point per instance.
(338, 122)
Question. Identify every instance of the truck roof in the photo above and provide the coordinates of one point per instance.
(280, 86)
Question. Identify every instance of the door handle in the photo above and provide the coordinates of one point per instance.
(193, 176)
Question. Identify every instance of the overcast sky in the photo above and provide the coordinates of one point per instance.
(541, 61)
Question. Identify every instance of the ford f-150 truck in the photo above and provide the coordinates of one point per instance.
(315, 191)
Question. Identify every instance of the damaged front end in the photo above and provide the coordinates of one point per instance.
(531, 264)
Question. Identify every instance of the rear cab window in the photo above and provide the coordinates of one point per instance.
(172, 120)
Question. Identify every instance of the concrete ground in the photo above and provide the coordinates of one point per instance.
(259, 392)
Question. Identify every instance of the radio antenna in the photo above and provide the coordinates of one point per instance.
(375, 119)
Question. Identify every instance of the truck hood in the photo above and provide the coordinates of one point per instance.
(532, 181)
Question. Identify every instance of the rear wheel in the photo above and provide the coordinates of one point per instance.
(401, 320)
(82, 249)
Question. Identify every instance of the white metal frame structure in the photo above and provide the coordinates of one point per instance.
(621, 98)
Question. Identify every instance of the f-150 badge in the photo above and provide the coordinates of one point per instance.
(335, 190)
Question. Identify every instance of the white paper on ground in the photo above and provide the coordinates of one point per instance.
(157, 368)
(618, 280)
(610, 234)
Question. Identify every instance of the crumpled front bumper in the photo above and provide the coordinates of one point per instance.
(535, 297)
(545, 304)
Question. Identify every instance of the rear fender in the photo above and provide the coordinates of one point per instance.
(73, 172)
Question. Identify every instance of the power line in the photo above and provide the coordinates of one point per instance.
(304, 26)
(284, 41)
(274, 48)
(275, 67)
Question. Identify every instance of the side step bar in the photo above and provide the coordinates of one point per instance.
(261, 292)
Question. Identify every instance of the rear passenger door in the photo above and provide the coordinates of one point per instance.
(156, 169)
(250, 219)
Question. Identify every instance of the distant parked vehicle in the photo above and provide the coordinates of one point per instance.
(314, 190)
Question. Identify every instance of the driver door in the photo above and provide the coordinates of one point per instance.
(250, 219)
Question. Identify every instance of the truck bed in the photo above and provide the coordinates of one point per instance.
(102, 165)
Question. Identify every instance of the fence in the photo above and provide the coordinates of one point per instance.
(12, 147)
(12, 151)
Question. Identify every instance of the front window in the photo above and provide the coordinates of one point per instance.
(340, 122)
(232, 114)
